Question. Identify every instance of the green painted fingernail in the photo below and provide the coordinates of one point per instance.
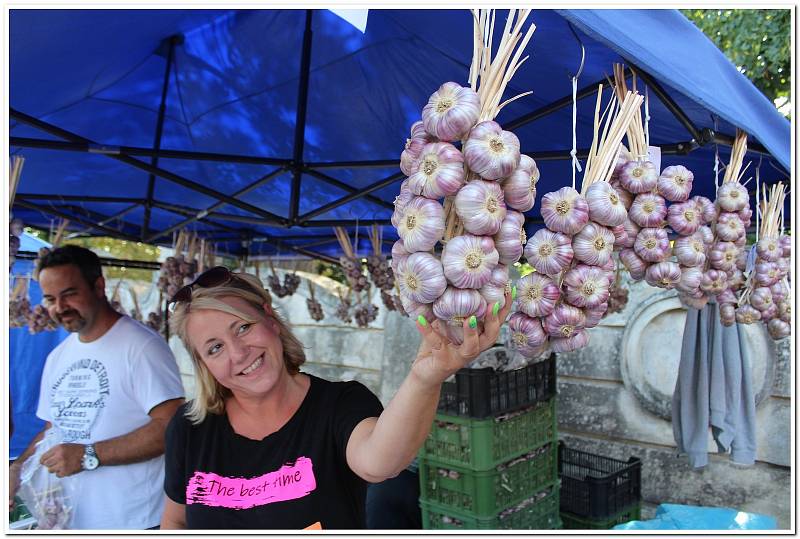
(473, 322)
(422, 321)
(496, 308)
(513, 292)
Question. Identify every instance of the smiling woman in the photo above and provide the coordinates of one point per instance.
(264, 445)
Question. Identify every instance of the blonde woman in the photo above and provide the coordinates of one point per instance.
(266, 446)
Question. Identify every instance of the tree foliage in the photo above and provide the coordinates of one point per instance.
(757, 41)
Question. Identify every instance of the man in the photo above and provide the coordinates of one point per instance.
(111, 388)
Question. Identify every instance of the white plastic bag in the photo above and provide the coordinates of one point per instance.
(49, 498)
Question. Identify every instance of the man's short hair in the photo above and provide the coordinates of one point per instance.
(87, 262)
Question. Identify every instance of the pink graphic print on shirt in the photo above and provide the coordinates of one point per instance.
(287, 483)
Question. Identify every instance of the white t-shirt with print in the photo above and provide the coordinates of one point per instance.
(101, 390)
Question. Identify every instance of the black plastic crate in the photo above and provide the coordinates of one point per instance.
(597, 487)
(485, 392)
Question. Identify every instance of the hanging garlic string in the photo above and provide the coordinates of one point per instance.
(574, 153)
(646, 117)
(758, 198)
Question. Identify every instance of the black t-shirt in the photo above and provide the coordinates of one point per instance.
(294, 478)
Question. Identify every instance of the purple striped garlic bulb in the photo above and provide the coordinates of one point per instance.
(510, 239)
(747, 314)
(648, 210)
(440, 172)
(769, 249)
(663, 274)
(526, 334)
(469, 260)
(400, 203)
(457, 304)
(767, 273)
(736, 279)
(722, 256)
(690, 250)
(675, 183)
(564, 321)
(625, 196)
(549, 252)
(778, 329)
(632, 230)
(586, 286)
(706, 234)
(420, 277)
(575, 342)
(684, 218)
(785, 310)
(415, 308)
(745, 214)
(610, 269)
(481, 207)
(451, 112)
(491, 152)
(786, 246)
(422, 224)
(729, 227)
(494, 291)
(620, 237)
(714, 282)
(652, 244)
(690, 279)
(593, 245)
(727, 314)
(594, 315)
(783, 266)
(633, 263)
(537, 295)
(726, 296)
(409, 159)
(732, 196)
(694, 302)
(520, 187)
(638, 176)
(779, 291)
(398, 253)
(565, 211)
(605, 206)
(706, 208)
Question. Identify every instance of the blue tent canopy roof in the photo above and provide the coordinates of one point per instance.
(233, 82)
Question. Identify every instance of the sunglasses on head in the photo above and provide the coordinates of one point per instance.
(216, 276)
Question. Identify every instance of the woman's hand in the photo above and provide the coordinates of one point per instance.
(438, 357)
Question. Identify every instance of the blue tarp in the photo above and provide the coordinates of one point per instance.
(233, 88)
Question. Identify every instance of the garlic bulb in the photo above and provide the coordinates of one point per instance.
(605, 206)
(420, 277)
(769, 313)
(549, 252)
(520, 187)
(692, 302)
(491, 152)
(727, 314)
(469, 260)
(510, 239)
(610, 269)
(499, 276)
(586, 286)
(706, 208)
(493, 294)
(415, 308)
(620, 237)
(593, 245)
(706, 234)
(714, 282)
(740, 242)
(732, 196)
(741, 260)
(766, 273)
(565, 211)
(638, 176)
(409, 159)
(675, 183)
(690, 279)
(778, 291)
(422, 224)
(648, 210)
(783, 266)
(400, 203)
(785, 311)
(652, 244)
(457, 304)
(481, 207)
(564, 321)
(684, 218)
(663, 274)
(635, 265)
(786, 245)
(736, 279)
(440, 172)
(778, 329)
(594, 315)
(632, 230)
(747, 314)
(451, 111)
(769, 249)
(726, 296)
(399, 250)
(537, 294)
(729, 227)
(690, 250)
(745, 214)
(722, 256)
(625, 196)
(527, 334)
(570, 344)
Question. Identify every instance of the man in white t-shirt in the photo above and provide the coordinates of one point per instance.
(111, 388)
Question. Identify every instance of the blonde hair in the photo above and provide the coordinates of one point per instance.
(211, 395)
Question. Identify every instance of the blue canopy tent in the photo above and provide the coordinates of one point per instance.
(261, 130)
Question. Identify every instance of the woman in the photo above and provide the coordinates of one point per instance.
(266, 446)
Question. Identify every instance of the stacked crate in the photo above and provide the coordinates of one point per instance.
(491, 459)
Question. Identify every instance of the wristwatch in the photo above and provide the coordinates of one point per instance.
(90, 460)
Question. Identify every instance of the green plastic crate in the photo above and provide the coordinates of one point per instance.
(482, 444)
(484, 493)
(539, 515)
(574, 522)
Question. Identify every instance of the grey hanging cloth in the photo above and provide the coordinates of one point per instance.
(714, 389)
